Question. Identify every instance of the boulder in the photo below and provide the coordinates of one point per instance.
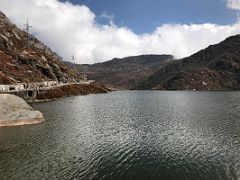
(15, 111)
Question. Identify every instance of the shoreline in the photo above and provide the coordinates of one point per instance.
(15, 111)
(70, 91)
(119, 90)
(22, 122)
(60, 98)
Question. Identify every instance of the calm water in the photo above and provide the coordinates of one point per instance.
(128, 135)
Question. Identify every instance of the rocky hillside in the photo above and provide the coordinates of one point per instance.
(36, 63)
(214, 68)
(123, 73)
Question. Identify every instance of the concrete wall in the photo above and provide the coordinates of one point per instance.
(27, 86)
(30, 91)
(14, 87)
(27, 95)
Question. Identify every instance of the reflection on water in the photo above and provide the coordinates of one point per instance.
(128, 135)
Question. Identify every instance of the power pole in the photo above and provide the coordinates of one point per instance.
(73, 60)
(27, 28)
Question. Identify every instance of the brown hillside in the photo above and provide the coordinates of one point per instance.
(214, 68)
(18, 63)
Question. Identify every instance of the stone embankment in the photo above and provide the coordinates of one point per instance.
(32, 91)
(14, 111)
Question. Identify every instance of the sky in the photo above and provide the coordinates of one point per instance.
(143, 16)
(99, 30)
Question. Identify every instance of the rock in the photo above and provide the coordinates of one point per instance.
(4, 19)
(15, 111)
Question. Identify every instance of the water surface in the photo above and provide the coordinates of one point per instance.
(128, 135)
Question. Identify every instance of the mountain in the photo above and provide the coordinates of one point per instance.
(214, 68)
(123, 73)
(34, 63)
(35, 70)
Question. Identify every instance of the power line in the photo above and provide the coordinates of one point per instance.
(73, 60)
(27, 29)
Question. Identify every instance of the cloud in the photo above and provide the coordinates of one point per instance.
(109, 18)
(233, 4)
(66, 28)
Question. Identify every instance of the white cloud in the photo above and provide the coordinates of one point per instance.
(66, 28)
(233, 4)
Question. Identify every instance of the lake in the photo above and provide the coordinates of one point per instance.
(128, 135)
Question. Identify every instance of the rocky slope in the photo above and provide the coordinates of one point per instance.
(33, 63)
(15, 111)
(214, 68)
(36, 63)
(123, 73)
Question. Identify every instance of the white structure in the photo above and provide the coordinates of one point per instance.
(46, 85)
(28, 86)
(13, 87)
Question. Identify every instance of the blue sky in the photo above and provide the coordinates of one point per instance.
(176, 27)
(143, 16)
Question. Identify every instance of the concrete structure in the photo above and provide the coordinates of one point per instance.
(13, 87)
(27, 86)
(30, 91)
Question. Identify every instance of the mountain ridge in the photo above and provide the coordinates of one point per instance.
(35, 62)
(122, 73)
(31, 70)
(215, 68)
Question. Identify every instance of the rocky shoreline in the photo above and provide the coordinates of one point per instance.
(14, 111)
(21, 122)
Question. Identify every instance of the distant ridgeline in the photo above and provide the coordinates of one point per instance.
(25, 60)
(123, 73)
(214, 68)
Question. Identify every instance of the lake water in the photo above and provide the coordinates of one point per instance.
(126, 135)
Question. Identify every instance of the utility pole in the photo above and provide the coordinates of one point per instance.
(73, 60)
(27, 28)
